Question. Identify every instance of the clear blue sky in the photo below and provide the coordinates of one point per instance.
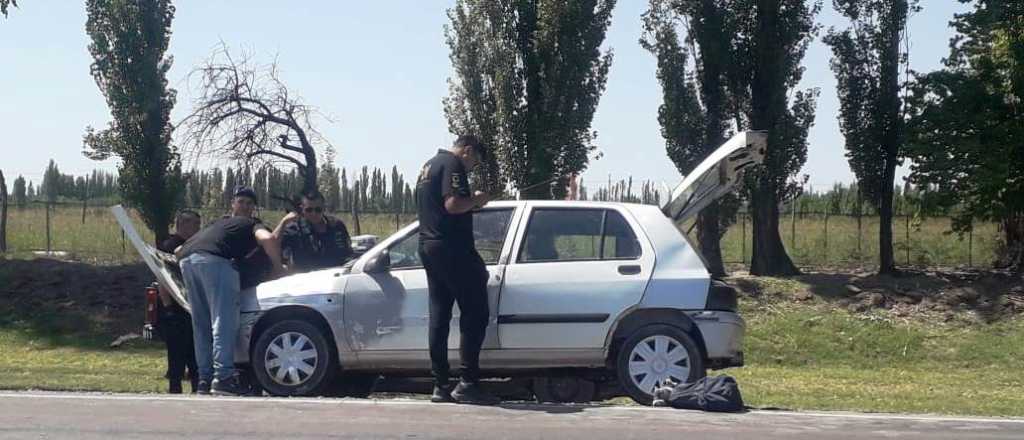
(379, 69)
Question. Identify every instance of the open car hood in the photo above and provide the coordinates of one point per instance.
(163, 265)
(716, 175)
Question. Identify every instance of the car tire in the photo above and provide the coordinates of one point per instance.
(653, 354)
(564, 389)
(302, 351)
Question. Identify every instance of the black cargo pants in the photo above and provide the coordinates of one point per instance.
(455, 276)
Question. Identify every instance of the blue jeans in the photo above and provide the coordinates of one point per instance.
(213, 290)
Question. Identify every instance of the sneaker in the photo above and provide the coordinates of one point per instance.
(231, 386)
(442, 395)
(473, 394)
(203, 387)
(174, 387)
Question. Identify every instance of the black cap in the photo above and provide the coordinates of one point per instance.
(245, 191)
(473, 141)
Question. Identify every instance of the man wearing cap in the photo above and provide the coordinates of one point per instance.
(208, 266)
(455, 271)
(311, 239)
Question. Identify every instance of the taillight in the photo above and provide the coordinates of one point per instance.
(152, 296)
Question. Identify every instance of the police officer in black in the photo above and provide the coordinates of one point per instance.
(455, 271)
(312, 240)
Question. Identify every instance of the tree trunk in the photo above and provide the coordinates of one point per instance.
(709, 235)
(1012, 252)
(768, 105)
(886, 259)
(769, 255)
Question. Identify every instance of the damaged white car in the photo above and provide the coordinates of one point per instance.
(584, 296)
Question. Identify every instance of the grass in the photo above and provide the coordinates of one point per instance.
(813, 357)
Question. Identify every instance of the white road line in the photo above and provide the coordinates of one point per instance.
(409, 402)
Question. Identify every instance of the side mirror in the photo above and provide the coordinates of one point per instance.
(380, 263)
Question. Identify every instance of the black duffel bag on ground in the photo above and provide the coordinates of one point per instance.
(713, 393)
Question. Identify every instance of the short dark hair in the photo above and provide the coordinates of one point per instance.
(187, 213)
(245, 191)
(468, 140)
(312, 196)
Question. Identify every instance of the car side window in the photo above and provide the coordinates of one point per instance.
(490, 227)
(558, 235)
(620, 242)
(489, 230)
(405, 254)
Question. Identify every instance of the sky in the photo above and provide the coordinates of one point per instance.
(378, 69)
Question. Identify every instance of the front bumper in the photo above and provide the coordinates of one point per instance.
(723, 337)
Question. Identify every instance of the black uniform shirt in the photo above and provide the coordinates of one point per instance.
(230, 237)
(308, 249)
(443, 176)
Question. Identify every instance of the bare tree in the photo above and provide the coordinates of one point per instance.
(246, 113)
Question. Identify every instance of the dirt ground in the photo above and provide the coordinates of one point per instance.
(944, 293)
(88, 299)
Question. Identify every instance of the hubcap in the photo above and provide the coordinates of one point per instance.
(290, 359)
(657, 359)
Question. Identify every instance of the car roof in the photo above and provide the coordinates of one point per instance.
(566, 203)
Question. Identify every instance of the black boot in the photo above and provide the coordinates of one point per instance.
(442, 394)
(195, 385)
(231, 386)
(471, 393)
(174, 387)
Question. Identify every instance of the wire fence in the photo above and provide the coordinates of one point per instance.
(88, 232)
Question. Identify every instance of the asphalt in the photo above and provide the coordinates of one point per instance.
(96, 416)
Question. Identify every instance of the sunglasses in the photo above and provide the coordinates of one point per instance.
(316, 209)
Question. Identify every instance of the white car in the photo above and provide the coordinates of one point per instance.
(583, 295)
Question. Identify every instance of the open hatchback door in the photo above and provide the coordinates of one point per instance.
(163, 265)
(717, 175)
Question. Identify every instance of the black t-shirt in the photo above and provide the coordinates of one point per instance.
(230, 237)
(171, 243)
(443, 176)
(308, 249)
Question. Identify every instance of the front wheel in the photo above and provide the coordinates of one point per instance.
(293, 358)
(652, 356)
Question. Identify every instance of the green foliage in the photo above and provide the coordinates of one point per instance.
(128, 41)
(19, 193)
(867, 59)
(528, 78)
(967, 127)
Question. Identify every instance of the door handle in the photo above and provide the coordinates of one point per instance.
(629, 269)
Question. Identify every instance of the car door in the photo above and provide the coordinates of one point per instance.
(389, 310)
(574, 270)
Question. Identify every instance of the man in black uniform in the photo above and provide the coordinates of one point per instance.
(208, 266)
(174, 324)
(455, 271)
(312, 240)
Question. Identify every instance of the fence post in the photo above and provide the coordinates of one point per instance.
(970, 246)
(792, 227)
(48, 228)
(743, 238)
(908, 239)
(3, 213)
(826, 236)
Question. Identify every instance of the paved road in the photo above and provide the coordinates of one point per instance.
(92, 416)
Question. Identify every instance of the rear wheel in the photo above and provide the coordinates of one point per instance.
(293, 358)
(654, 355)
